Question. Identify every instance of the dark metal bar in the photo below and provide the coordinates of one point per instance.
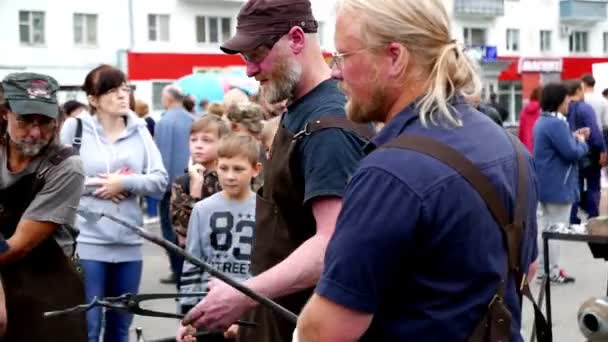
(208, 268)
(547, 280)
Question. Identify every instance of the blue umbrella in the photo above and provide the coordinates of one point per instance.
(202, 86)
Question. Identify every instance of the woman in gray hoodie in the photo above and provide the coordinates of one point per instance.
(121, 162)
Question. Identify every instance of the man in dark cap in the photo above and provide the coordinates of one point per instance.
(40, 186)
(314, 153)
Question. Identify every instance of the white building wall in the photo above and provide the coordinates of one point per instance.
(59, 56)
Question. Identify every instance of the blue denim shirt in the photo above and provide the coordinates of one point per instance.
(415, 244)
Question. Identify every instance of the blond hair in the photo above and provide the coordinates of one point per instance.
(423, 27)
(233, 145)
(215, 108)
(235, 96)
(250, 115)
(210, 123)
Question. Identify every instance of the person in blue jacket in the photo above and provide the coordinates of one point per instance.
(581, 115)
(556, 155)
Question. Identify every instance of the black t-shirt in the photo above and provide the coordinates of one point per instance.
(327, 158)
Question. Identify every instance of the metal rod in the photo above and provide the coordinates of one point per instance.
(290, 316)
(547, 280)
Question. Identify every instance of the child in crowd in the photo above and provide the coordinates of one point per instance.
(247, 119)
(221, 227)
(201, 179)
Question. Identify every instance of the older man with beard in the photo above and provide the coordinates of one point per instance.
(313, 155)
(418, 253)
(40, 185)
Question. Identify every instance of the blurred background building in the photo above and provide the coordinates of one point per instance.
(519, 43)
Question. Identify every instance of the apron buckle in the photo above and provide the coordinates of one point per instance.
(303, 133)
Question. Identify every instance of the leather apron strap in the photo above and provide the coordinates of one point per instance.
(512, 231)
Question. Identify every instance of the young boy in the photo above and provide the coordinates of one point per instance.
(221, 227)
(201, 180)
(248, 119)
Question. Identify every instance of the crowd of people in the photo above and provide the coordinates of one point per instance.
(330, 192)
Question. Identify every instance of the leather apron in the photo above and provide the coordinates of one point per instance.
(45, 279)
(283, 223)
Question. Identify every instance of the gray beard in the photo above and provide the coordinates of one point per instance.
(285, 87)
(29, 149)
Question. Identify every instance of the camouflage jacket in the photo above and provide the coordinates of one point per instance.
(182, 203)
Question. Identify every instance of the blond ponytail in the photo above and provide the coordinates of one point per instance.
(453, 73)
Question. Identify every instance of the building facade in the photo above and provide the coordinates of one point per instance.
(519, 43)
(154, 41)
(536, 41)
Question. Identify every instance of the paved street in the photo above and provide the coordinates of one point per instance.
(156, 266)
(577, 260)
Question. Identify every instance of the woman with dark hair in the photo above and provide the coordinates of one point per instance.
(556, 155)
(527, 118)
(121, 162)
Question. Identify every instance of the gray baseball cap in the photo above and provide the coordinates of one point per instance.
(30, 93)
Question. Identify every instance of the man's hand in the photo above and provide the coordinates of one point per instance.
(222, 306)
(232, 332)
(185, 334)
(603, 159)
(110, 186)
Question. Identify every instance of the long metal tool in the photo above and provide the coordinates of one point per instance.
(171, 247)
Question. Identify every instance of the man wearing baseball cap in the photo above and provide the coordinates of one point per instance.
(314, 152)
(40, 186)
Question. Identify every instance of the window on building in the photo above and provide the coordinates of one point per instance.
(605, 43)
(226, 29)
(474, 36)
(201, 29)
(579, 42)
(157, 95)
(158, 27)
(213, 29)
(31, 27)
(513, 40)
(510, 98)
(545, 41)
(85, 29)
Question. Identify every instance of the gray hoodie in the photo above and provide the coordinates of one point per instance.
(134, 151)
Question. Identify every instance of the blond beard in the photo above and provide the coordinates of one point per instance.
(284, 79)
(366, 110)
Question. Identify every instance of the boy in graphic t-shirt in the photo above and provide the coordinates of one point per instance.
(221, 226)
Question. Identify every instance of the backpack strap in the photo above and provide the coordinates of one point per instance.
(512, 230)
(77, 140)
(364, 131)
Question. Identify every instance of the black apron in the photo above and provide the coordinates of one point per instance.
(45, 279)
(283, 223)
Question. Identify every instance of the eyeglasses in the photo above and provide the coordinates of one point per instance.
(337, 59)
(125, 89)
(29, 121)
(258, 54)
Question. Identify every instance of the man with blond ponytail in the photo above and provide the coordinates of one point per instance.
(418, 253)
